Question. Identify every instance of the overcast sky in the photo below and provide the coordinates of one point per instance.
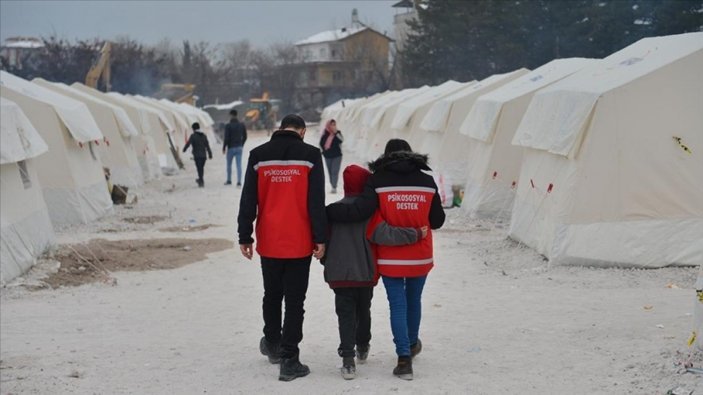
(262, 22)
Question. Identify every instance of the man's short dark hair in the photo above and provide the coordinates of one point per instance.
(293, 121)
(196, 126)
(233, 112)
(395, 145)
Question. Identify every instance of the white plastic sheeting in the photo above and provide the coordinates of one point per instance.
(74, 114)
(20, 140)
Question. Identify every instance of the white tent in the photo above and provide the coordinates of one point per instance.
(613, 164)
(491, 124)
(447, 149)
(413, 111)
(379, 128)
(159, 127)
(144, 144)
(178, 119)
(70, 174)
(118, 153)
(25, 226)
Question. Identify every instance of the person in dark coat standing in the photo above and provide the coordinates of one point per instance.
(331, 144)
(405, 196)
(350, 270)
(233, 144)
(284, 192)
(201, 151)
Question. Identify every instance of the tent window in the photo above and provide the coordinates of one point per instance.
(24, 174)
(92, 151)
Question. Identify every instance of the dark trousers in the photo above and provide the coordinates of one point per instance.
(285, 280)
(353, 307)
(200, 166)
(333, 166)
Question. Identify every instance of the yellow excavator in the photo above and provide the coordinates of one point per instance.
(100, 68)
(185, 91)
(261, 113)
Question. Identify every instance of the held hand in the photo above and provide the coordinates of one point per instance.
(424, 231)
(223, 151)
(247, 250)
(319, 251)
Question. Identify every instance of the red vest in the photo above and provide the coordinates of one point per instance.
(283, 224)
(406, 206)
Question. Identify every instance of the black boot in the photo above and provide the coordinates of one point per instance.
(291, 369)
(270, 350)
(362, 353)
(416, 348)
(404, 370)
(348, 368)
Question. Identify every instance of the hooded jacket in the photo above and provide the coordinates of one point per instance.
(350, 259)
(284, 191)
(335, 150)
(201, 146)
(405, 197)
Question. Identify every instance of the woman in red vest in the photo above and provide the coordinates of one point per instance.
(405, 196)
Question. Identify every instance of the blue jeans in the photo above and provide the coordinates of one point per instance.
(404, 298)
(234, 152)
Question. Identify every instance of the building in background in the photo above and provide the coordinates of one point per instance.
(15, 52)
(347, 62)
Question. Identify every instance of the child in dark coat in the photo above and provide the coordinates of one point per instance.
(350, 270)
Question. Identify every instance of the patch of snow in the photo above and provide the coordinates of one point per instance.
(226, 106)
(331, 35)
(641, 21)
(602, 4)
(635, 7)
(586, 19)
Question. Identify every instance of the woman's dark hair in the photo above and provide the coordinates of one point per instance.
(196, 126)
(292, 121)
(395, 145)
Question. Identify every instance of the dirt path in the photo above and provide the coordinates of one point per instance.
(496, 319)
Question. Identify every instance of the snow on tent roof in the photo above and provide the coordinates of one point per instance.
(74, 114)
(406, 109)
(125, 125)
(223, 107)
(559, 114)
(437, 117)
(20, 140)
(483, 117)
(331, 35)
(177, 115)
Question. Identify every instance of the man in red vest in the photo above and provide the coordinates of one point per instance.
(284, 192)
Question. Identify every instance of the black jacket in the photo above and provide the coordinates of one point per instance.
(335, 150)
(235, 134)
(201, 146)
(284, 191)
(394, 169)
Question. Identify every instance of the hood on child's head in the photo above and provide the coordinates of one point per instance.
(355, 177)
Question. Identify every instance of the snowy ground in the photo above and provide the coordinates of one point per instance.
(496, 320)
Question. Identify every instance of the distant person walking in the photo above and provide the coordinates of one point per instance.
(331, 144)
(405, 197)
(201, 147)
(233, 145)
(284, 191)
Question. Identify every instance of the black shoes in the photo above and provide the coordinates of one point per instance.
(270, 350)
(201, 183)
(404, 370)
(362, 353)
(291, 369)
(416, 348)
(348, 369)
(228, 183)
